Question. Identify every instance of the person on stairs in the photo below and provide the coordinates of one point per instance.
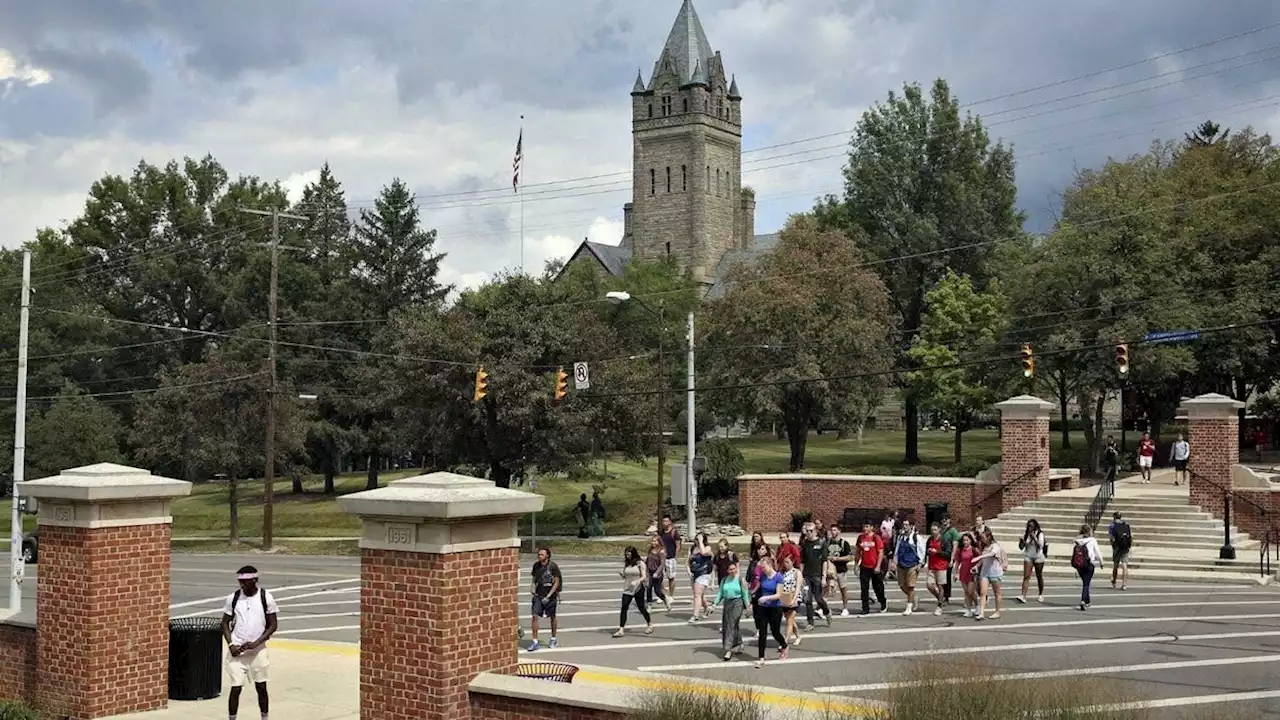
(1121, 543)
(1180, 456)
(1086, 557)
(1146, 457)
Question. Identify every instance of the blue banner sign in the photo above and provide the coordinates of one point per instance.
(1169, 336)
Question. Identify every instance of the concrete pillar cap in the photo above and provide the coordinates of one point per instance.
(1210, 406)
(1025, 407)
(104, 482)
(441, 496)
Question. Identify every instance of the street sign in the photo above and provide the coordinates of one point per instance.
(679, 485)
(19, 568)
(1169, 336)
(581, 377)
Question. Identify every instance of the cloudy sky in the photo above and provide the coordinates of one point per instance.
(432, 91)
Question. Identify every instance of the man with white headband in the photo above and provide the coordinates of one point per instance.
(248, 621)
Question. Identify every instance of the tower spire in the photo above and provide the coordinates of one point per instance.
(687, 45)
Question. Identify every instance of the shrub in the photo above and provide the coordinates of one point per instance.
(724, 512)
(691, 703)
(724, 464)
(923, 471)
(799, 518)
(971, 467)
(11, 710)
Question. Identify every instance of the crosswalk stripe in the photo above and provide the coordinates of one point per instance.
(1185, 701)
(1091, 642)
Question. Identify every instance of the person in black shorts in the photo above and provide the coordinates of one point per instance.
(547, 583)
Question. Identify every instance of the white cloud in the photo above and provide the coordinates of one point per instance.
(297, 182)
(14, 71)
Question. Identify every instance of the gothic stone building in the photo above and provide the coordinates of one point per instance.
(687, 198)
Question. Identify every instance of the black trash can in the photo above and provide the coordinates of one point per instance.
(555, 672)
(195, 658)
(933, 513)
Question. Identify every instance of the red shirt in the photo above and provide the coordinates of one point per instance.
(937, 560)
(870, 548)
(1147, 448)
(789, 549)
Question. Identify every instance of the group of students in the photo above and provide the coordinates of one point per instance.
(778, 580)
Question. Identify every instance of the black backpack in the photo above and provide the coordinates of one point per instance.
(1123, 536)
(235, 600)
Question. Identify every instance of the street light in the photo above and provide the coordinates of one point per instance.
(620, 297)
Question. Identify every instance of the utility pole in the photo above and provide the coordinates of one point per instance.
(691, 440)
(19, 442)
(268, 498)
(662, 408)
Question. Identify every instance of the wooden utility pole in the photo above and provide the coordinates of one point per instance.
(273, 298)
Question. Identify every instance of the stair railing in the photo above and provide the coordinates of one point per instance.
(1264, 551)
(1228, 551)
(1098, 508)
(1000, 490)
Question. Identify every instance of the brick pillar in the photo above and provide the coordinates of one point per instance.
(1215, 447)
(102, 593)
(439, 591)
(1024, 446)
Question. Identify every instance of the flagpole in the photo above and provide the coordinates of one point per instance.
(521, 191)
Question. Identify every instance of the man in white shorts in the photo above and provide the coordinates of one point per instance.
(249, 619)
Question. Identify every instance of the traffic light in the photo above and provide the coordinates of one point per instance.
(562, 384)
(482, 384)
(1122, 358)
(1028, 362)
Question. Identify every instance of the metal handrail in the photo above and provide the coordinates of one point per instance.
(1228, 552)
(1007, 485)
(1232, 493)
(1101, 499)
(1264, 552)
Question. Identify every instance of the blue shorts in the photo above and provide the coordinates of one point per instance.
(542, 607)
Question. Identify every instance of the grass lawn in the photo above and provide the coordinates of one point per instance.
(630, 492)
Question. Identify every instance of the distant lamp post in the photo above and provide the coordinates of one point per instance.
(308, 396)
(621, 297)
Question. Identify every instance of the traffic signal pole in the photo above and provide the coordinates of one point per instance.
(691, 439)
(19, 443)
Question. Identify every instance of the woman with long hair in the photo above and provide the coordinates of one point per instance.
(701, 565)
(1086, 557)
(1034, 553)
(770, 602)
(789, 594)
(962, 559)
(992, 563)
(635, 579)
(755, 572)
(656, 564)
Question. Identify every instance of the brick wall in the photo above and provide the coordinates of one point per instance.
(17, 662)
(102, 644)
(495, 707)
(1214, 449)
(429, 624)
(765, 503)
(1247, 510)
(1024, 446)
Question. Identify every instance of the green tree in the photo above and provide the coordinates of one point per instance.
(925, 184)
(961, 325)
(74, 430)
(797, 333)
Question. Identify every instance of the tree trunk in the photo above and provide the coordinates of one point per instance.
(371, 476)
(296, 477)
(959, 441)
(797, 433)
(1062, 413)
(499, 475)
(233, 504)
(909, 406)
(329, 465)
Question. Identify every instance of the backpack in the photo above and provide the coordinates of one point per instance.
(908, 555)
(235, 600)
(1080, 557)
(1123, 536)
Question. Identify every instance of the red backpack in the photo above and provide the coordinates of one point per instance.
(1079, 557)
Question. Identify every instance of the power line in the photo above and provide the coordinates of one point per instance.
(221, 381)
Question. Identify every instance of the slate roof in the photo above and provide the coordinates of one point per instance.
(687, 45)
(614, 258)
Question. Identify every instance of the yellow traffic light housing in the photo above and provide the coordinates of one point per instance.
(1122, 358)
(562, 384)
(482, 384)
(1028, 361)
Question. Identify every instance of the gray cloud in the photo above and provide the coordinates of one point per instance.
(115, 79)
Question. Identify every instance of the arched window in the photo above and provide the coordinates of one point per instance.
(684, 102)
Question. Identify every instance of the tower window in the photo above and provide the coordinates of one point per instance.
(684, 178)
(717, 181)
(650, 109)
(653, 182)
(666, 105)
(684, 103)
(668, 249)
(668, 178)
(708, 179)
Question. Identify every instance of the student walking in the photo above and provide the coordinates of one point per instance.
(635, 577)
(770, 603)
(789, 597)
(1121, 543)
(755, 572)
(732, 595)
(1035, 550)
(547, 584)
(669, 534)
(963, 561)
(249, 619)
(656, 563)
(1179, 456)
(868, 553)
(723, 559)
(1111, 460)
(1086, 557)
(840, 554)
(1146, 457)
(701, 565)
(813, 559)
(908, 553)
(936, 564)
(992, 563)
(950, 537)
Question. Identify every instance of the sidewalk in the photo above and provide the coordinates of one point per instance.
(309, 681)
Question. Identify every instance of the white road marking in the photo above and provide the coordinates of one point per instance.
(1070, 672)
(1185, 701)
(832, 658)
(274, 590)
(302, 631)
(291, 618)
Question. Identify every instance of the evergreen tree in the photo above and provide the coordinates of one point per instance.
(397, 264)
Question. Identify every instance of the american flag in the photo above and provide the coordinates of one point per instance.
(515, 163)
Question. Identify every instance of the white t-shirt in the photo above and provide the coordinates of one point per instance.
(250, 621)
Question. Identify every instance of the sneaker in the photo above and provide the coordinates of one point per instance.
(979, 617)
(937, 611)
(648, 630)
(620, 633)
(728, 656)
(736, 649)
(868, 613)
(969, 612)
(798, 641)
(1113, 584)
(1081, 607)
(827, 617)
(695, 618)
(995, 616)
(667, 604)
(554, 644)
(1040, 598)
(782, 654)
(884, 609)
(1021, 599)
(533, 646)
(844, 612)
(1087, 606)
(759, 663)
(907, 611)
(1122, 587)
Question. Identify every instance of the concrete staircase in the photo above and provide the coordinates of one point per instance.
(1172, 539)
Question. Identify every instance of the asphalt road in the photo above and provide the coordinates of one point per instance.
(1188, 647)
